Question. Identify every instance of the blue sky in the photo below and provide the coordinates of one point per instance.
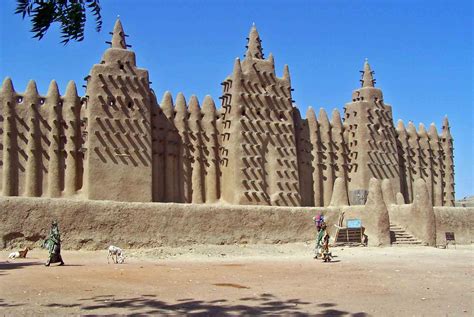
(421, 51)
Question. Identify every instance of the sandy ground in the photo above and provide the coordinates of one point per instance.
(243, 280)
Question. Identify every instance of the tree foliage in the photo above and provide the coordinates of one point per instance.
(70, 14)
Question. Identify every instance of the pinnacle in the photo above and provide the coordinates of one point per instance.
(31, 89)
(180, 105)
(411, 129)
(254, 45)
(400, 125)
(8, 85)
(446, 129)
(445, 122)
(167, 104)
(367, 75)
(237, 68)
(336, 120)
(208, 105)
(53, 89)
(433, 132)
(271, 59)
(323, 117)
(71, 90)
(422, 130)
(311, 115)
(118, 36)
(193, 106)
(286, 73)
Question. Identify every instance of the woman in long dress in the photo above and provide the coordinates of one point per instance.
(53, 244)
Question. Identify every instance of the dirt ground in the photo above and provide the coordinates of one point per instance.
(243, 280)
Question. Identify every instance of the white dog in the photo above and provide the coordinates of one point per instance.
(117, 254)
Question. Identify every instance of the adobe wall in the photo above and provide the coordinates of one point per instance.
(89, 224)
(41, 141)
(118, 128)
(428, 223)
(97, 224)
(459, 220)
(255, 150)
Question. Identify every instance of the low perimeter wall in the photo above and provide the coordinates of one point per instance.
(97, 224)
(459, 220)
(93, 224)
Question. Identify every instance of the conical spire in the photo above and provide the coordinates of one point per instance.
(118, 36)
(423, 137)
(401, 126)
(336, 121)
(311, 116)
(323, 118)
(237, 72)
(446, 129)
(7, 86)
(254, 45)
(180, 107)
(433, 132)
(53, 90)
(271, 59)
(31, 89)
(422, 131)
(286, 73)
(71, 90)
(446, 123)
(208, 106)
(167, 105)
(194, 109)
(411, 130)
(367, 75)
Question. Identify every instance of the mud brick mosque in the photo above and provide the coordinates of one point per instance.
(119, 143)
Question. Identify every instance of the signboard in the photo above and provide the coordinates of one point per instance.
(354, 223)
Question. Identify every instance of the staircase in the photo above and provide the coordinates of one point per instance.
(398, 236)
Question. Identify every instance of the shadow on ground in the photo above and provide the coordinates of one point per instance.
(5, 266)
(264, 304)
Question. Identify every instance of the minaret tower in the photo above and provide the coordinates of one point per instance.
(118, 163)
(371, 139)
(448, 164)
(258, 153)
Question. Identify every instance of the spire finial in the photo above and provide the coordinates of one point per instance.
(254, 45)
(237, 71)
(7, 85)
(446, 127)
(118, 35)
(367, 75)
(286, 73)
(53, 90)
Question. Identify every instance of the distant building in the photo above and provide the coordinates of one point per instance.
(465, 202)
